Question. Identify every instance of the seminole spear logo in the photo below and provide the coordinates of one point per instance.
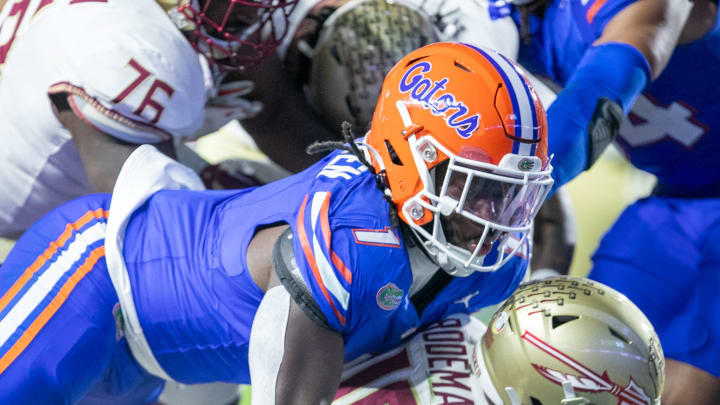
(587, 380)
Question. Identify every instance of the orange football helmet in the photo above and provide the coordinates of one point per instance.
(461, 139)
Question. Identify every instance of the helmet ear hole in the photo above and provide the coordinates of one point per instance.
(335, 54)
(535, 401)
(619, 336)
(560, 320)
(393, 155)
(457, 64)
(412, 61)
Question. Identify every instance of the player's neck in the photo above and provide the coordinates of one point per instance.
(423, 268)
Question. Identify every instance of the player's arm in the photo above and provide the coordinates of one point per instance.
(634, 48)
(650, 26)
(294, 356)
(101, 154)
(553, 237)
(287, 124)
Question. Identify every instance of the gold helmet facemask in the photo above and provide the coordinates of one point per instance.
(572, 341)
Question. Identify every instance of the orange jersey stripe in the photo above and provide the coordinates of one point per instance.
(325, 226)
(49, 252)
(47, 313)
(305, 243)
(592, 12)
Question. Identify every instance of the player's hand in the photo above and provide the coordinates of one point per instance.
(229, 104)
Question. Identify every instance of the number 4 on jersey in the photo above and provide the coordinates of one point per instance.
(650, 122)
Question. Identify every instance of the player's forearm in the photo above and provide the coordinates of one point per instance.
(311, 372)
(587, 113)
(651, 26)
(292, 359)
(554, 234)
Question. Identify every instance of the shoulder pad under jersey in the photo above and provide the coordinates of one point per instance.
(287, 271)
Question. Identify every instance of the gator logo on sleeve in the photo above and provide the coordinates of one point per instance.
(389, 296)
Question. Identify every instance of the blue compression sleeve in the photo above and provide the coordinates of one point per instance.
(612, 70)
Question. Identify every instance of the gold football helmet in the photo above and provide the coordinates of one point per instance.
(572, 341)
(359, 43)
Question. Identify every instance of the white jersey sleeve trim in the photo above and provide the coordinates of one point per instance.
(145, 172)
(104, 119)
(327, 273)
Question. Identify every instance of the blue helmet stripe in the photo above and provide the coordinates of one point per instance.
(535, 128)
(523, 105)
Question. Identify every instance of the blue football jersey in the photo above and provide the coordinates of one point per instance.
(186, 257)
(673, 129)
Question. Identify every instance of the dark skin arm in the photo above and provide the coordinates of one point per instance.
(553, 235)
(313, 361)
(313, 358)
(102, 155)
(287, 124)
(651, 26)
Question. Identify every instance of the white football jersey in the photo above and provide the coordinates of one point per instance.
(130, 72)
(442, 364)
